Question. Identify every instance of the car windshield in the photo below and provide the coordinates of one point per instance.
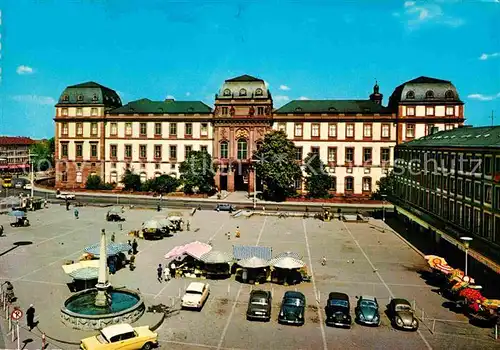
(368, 303)
(337, 302)
(293, 302)
(259, 301)
(191, 291)
(403, 307)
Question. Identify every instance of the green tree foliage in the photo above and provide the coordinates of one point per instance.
(43, 155)
(94, 182)
(318, 181)
(276, 166)
(161, 184)
(197, 173)
(131, 181)
(386, 186)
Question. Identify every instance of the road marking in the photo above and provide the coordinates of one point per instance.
(381, 279)
(47, 265)
(315, 289)
(161, 291)
(195, 344)
(216, 232)
(64, 234)
(235, 302)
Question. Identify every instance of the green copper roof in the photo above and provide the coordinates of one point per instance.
(89, 93)
(146, 106)
(331, 106)
(243, 78)
(465, 137)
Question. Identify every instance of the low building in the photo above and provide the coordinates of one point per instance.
(14, 153)
(453, 177)
(96, 134)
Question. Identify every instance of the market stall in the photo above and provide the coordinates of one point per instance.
(151, 229)
(286, 270)
(185, 260)
(252, 270)
(217, 264)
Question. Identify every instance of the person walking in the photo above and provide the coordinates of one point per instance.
(30, 317)
(166, 273)
(134, 247)
(172, 270)
(159, 270)
(130, 250)
(113, 237)
(131, 262)
(1, 230)
(67, 204)
(238, 234)
(76, 213)
(188, 226)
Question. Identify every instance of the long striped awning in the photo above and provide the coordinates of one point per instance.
(244, 252)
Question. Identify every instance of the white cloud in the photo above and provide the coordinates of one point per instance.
(416, 15)
(22, 70)
(284, 88)
(281, 99)
(188, 93)
(36, 99)
(482, 97)
(486, 56)
(170, 97)
(304, 98)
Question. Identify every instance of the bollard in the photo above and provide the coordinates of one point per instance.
(10, 324)
(172, 301)
(13, 336)
(43, 341)
(18, 336)
(228, 289)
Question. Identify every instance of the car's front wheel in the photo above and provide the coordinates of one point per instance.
(147, 346)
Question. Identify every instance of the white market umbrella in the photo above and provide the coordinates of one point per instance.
(288, 263)
(216, 257)
(253, 263)
(151, 224)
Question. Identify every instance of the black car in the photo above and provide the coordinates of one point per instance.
(292, 309)
(225, 207)
(337, 310)
(401, 314)
(259, 305)
(367, 311)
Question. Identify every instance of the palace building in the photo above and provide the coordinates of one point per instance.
(97, 134)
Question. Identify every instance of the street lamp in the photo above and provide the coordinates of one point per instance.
(466, 241)
(383, 207)
(31, 171)
(254, 162)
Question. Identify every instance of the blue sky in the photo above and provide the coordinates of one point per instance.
(186, 49)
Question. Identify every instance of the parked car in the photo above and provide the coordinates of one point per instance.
(196, 295)
(121, 336)
(292, 308)
(259, 305)
(18, 184)
(402, 315)
(65, 195)
(337, 310)
(27, 186)
(225, 207)
(367, 312)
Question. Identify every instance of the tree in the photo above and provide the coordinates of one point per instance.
(131, 181)
(161, 184)
(43, 154)
(276, 166)
(386, 186)
(93, 182)
(318, 181)
(197, 173)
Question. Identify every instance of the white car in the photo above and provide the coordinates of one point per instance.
(196, 295)
(65, 195)
(27, 186)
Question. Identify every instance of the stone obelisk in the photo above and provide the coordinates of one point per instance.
(103, 284)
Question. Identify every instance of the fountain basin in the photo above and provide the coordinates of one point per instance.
(79, 311)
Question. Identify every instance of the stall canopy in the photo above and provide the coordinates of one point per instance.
(85, 274)
(289, 254)
(216, 257)
(195, 249)
(151, 224)
(70, 268)
(17, 213)
(287, 263)
(241, 252)
(112, 248)
(253, 263)
(165, 222)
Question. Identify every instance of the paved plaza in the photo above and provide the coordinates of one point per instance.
(362, 258)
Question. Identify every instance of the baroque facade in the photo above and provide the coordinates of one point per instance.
(97, 134)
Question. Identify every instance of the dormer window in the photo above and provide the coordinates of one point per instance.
(65, 98)
(227, 92)
(298, 109)
(410, 95)
(243, 92)
(429, 94)
(258, 92)
(449, 95)
(94, 98)
(80, 98)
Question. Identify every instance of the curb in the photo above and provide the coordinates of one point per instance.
(57, 340)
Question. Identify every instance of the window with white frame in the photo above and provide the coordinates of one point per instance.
(367, 130)
(173, 129)
(79, 112)
(367, 184)
(410, 111)
(224, 149)
(64, 129)
(315, 130)
(128, 129)
(173, 152)
(349, 184)
(450, 110)
(79, 129)
(93, 111)
(142, 151)
(93, 129)
(79, 177)
(113, 129)
(157, 129)
(349, 130)
(298, 130)
(332, 130)
(157, 151)
(204, 129)
(332, 154)
(282, 127)
(410, 130)
(386, 131)
(429, 110)
(128, 151)
(143, 128)
(64, 112)
(349, 154)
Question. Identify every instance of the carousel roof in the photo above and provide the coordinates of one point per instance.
(241, 252)
(216, 257)
(287, 262)
(253, 263)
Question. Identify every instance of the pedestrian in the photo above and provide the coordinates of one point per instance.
(228, 235)
(130, 245)
(76, 213)
(238, 234)
(45, 205)
(323, 260)
(1, 230)
(112, 266)
(166, 273)
(113, 237)
(132, 262)
(67, 205)
(172, 270)
(30, 317)
(188, 225)
(134, 247)
(159, 270)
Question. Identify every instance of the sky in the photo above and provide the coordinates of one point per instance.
(304, 49)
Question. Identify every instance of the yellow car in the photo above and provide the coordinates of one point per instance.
(122, 337)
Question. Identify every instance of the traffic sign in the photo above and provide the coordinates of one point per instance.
(16, 315)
